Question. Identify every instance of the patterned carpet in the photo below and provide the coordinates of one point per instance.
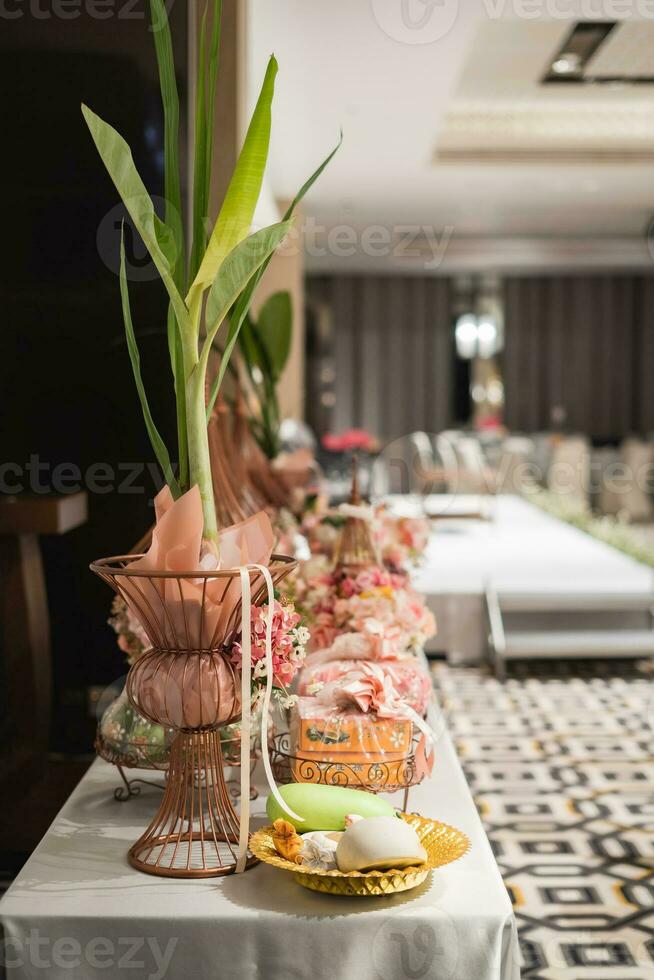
(560, 761)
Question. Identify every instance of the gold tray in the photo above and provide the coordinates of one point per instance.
(442, 843)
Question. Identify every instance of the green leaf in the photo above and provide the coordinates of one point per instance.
(274, 327)
(205, 102)
(157, 236)
(245, 299)
(170, 100)
(306, 187)
(177, 362)
(214, 60)
(158, 444)
(255, 356)
(242, 194)
(249, 345)
(200, 175)
(234, 274)
(173, 212)
(240, 266)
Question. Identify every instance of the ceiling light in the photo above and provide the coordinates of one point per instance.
(487, 337)
(477, 336)
(466, 336)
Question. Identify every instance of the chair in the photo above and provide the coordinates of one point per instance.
(634, 500)
(475, 475)
(569, 472)
(514, 474)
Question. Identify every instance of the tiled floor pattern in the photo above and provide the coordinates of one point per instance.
(560, 759)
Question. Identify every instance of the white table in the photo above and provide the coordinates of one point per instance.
(78, 907)
(521, 550)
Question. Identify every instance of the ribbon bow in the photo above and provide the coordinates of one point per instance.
(365, 687)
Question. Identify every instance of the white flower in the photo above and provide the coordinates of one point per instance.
(285, 700)
(257, 697)
(301, 636)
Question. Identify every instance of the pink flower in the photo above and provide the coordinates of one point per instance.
(287, 647)
(350, 439)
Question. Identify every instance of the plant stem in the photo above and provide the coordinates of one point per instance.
(198, 450)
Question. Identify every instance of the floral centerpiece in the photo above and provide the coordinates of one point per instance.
(373, 602)
(401, 540)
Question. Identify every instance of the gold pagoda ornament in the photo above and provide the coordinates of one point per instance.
(355, 548)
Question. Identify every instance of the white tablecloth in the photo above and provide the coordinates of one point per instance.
(521, 550)
(77, 910)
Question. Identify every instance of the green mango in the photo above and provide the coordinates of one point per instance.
(325, 807)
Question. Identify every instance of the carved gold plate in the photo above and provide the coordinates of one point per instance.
(443, 844)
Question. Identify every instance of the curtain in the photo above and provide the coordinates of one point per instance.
(584, 343)
(390, 345)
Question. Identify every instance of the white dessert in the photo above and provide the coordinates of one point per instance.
(379, 843)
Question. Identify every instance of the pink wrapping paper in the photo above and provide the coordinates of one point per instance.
(411, 682)
(191, 613)
(191, 692)
(171, 610)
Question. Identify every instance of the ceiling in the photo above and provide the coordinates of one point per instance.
(448, 130)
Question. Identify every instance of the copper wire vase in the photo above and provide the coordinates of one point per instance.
(187, 682)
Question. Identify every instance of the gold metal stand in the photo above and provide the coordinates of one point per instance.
(188, 683)
(195, 831)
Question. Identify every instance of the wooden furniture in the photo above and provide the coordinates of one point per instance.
(25, 655)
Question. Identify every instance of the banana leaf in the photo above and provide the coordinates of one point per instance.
(274, 326)
(173, 213)
(157, 236)
(245, 299)
(235, 272)
(237, 211)
(159, 446)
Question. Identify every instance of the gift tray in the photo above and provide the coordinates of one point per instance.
(443, 844)
(375, 776)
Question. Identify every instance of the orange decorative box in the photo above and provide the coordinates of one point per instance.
(351, 742)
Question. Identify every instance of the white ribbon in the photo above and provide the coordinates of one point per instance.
(246, 694)
(425, 727)
(360, 511)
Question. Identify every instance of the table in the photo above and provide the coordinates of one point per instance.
(519, 550)
(77, 910)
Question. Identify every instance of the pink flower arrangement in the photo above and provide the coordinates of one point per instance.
(374, 602)
(289, 640)
(401, 540)
(350, 440)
